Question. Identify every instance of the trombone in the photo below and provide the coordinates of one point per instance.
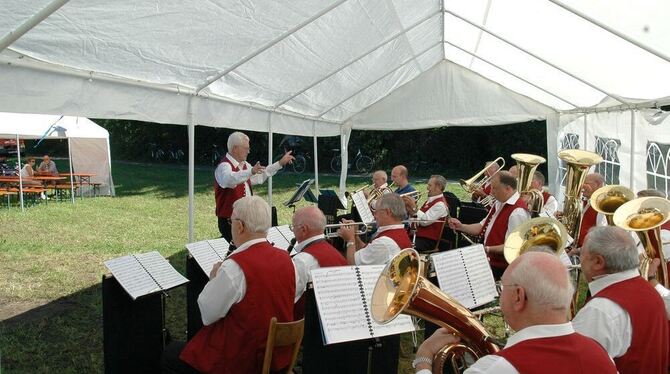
(331, 230)
(475, 183)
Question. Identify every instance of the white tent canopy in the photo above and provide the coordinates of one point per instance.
(88, 142)
(327, 67)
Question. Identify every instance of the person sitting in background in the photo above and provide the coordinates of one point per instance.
(47, 167)
(399, 176)
(550, 206)
(434, 210)
(27, 173)
(535, 300)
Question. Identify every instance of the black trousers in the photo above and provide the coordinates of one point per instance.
(225, 228)
(424, 244)
(171, 363)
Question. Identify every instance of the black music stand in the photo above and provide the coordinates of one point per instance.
(197, 281)
(330, 203)
(302, 191)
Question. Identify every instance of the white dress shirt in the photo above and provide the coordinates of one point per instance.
(498, 364)
(226, 289)
(304, 263)
(665, 295)
(227, 178)
(551, 206)
(379, 250)
(435, 212)
(517, 217)
(604, 320)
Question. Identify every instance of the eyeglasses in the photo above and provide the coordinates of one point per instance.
(502, 286)
(296, 227)
(230, 220)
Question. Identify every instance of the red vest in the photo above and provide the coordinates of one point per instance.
(225, 197)
(573, 353)
(326, 255)
(499, 230)
(236, 343)
(545, 196)
(434, 230)
(399, 236)
(589, 218)
(649, 347)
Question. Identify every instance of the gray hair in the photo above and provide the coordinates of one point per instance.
(394, 203)
(651, 192)
(254, 212)
(545, 288)
(440, 180)
(382, 173)
(538, 176)
(615, 245)
(236, 138)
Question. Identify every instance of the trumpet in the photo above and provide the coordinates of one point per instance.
(331, 230)
(416, 195)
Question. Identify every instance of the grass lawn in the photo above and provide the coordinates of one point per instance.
(51, 261)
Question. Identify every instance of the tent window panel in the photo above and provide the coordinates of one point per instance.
(569, 141)
(658, 158)
(608, 149)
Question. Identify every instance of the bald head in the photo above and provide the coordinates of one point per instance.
(399, 176)
(308, 222)
(651, 193)
(545, 279)
(514, 171)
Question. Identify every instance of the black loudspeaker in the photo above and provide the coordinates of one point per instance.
(197, 281)
(133, 330)
(349, 357)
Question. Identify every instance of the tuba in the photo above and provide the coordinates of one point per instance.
(527, 165)
(608, 199)
(476, 182)
(537, 231)
(645, 216)
(401, 289)
(578, 164)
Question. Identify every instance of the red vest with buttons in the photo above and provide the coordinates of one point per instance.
(572, 353)
(589, 218)
(236, 343)
(499, 230)
(399, 236)
(434, 230)
(545, 196)
(327, 256)
(225, 197)
(649, 347)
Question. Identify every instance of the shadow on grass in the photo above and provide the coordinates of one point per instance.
(65, 335)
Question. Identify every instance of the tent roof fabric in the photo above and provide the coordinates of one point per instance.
(306, 67)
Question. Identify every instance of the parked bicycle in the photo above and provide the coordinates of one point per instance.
(299, 164)
(157, 154)
(175, 153)
(216, 156)
(361, 162)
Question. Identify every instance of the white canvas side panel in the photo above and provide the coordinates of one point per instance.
(652, 150)
(449, 95)
(90, 156)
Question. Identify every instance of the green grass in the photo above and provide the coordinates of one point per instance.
(51, 260)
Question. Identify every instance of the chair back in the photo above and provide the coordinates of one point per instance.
(282, 334)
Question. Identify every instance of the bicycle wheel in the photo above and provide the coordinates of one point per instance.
(299, 164)
(336, 164)
(364, 165)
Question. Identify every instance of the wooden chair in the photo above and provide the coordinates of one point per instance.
(282, 334)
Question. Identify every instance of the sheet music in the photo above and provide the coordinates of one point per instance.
(144, 274)
(465, 275)
(207, 252)
(343, 302)
(280, 236)
(362, 206)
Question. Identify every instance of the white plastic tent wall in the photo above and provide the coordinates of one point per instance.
(327, 67)
(88, 142)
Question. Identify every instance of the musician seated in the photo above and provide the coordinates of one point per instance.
(391, 234)
(428, 232)
(254, 284)
(478, 194)
(506, 214)
(400, 176)
(625, 315)
(535, 301)
(313, 251)
(379, 179)
(550, 203)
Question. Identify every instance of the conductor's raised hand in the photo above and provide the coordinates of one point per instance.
(258, 168)
(287, 158)
(454, 224)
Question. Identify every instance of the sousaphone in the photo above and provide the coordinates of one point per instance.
(608, 199)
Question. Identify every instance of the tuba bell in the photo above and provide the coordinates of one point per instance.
(608, 199)
(537, 231)
(527, 164)
(645, 216)
(578, 163)
(401, 289)
(480, 179)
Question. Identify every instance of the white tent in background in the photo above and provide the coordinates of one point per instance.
(88, 143)
(327, 67)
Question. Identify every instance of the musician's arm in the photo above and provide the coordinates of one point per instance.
(303, 262)
(269, 171)
(471, 229)
(227, 178)
(223, 291)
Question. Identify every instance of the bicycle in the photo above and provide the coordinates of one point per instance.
(299, 164)
(361, 162)
(175, 153)
(157, 154)
(216, 156)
